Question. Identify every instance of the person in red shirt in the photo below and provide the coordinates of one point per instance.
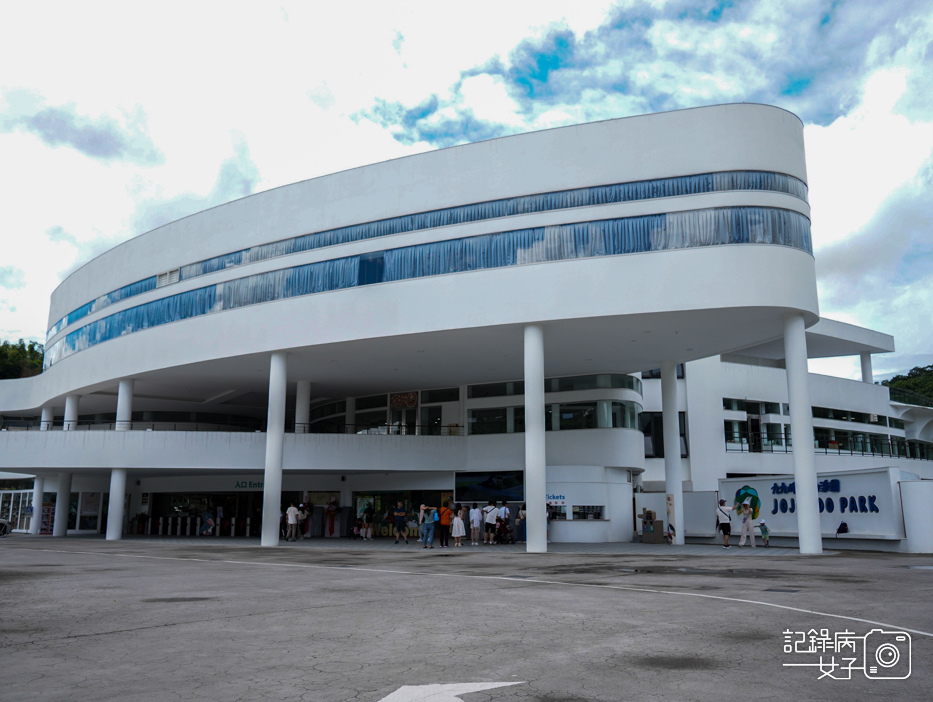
(444, 515)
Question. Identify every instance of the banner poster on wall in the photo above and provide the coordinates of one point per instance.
(868, 501)
(90, 504)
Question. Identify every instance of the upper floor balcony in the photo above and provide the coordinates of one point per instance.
(35, 452)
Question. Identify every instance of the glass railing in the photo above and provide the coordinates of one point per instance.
(863, 445)
(908, 397)
(568, 384)
(567, 416)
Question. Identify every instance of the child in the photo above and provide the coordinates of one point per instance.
(459, 531)
(765, 532)
(358, 529)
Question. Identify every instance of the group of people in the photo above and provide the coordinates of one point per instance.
(492, 522)
(294, 522)
(489, 525)
(745, 511)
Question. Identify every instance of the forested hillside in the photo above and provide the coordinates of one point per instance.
(20, 360)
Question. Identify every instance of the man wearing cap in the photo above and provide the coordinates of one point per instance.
(724, 522)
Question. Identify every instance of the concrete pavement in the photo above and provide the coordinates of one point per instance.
(226, 620)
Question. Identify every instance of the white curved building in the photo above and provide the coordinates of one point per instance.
(446, 322)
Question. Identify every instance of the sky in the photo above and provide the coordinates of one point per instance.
(116, 118)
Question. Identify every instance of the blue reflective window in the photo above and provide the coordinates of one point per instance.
(544, 202)
(131, 290)
(612, 237)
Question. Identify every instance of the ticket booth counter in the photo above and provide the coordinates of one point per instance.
(579, 524)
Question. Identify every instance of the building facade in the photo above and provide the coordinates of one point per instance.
(572, 317)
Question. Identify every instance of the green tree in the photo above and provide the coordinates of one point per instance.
(918, 379)
(20, 360)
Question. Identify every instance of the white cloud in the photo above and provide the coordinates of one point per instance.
(489, 100)
(290, 80)
(858, 161)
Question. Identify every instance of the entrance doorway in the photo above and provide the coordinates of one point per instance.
(404, 421)
(384, 504)
(754, 433)
(13, 506)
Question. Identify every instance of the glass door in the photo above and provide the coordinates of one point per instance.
(754, 433)
(13, 506)
(18, 517)
(6, 499)
(404, 421)
(431, 421)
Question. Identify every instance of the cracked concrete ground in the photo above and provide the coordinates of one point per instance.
(86, 619)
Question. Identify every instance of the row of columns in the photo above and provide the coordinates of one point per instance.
(71, 415)
(801, 420)
(115, 507)
(72, 402)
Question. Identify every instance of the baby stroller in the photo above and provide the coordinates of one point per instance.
(504, 532)
(5, 528)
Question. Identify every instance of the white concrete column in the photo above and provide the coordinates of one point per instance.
(116, 503)
(48, 417)
(673, 465)
(350, 418)
(71, 412)
(303, 407)
(275, 442)
(62, 505)
(916, 497)
(867, 376)
(38, 489)
(535, 454)
(801, 428)
(124, 406)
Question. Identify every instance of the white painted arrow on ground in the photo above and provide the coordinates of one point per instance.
(440, 693)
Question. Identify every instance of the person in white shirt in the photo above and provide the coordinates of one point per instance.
(476, 523)
(491, 513)
(291, 518)
(504, 511)
(505, 514)
(748, 523)
(724, 522)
